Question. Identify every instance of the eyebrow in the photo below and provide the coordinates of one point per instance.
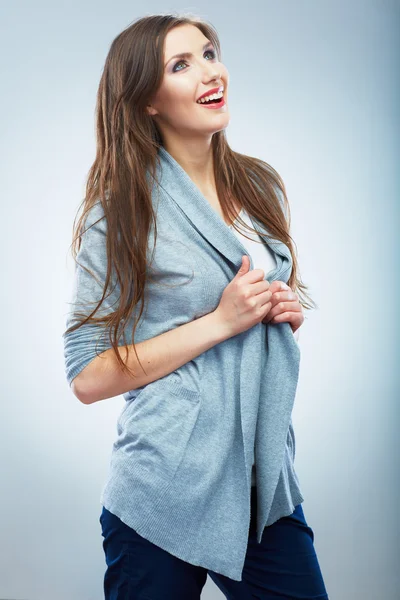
(187, 54)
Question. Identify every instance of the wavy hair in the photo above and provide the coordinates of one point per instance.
(127, 143)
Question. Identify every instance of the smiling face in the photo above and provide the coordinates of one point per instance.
(174, 107)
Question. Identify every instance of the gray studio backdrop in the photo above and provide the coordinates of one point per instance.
(314, 91)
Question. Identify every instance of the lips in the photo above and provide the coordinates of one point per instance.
(212, 91)
(212, 105)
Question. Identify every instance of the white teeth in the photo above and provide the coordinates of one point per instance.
(212, 97)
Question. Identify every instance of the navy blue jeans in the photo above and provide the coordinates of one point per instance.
(283, 567)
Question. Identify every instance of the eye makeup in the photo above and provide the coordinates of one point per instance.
(182, 61)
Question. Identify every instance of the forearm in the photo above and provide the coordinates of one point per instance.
(103, 378)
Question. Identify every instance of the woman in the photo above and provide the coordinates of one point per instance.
(177, 218)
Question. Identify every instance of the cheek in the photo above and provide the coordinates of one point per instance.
(178, 108)
(181, 91)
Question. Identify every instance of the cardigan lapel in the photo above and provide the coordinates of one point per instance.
(280, 374)
(185, 193)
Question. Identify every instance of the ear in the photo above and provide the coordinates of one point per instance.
(151, 111)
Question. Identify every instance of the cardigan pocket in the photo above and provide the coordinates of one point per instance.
(154, 428)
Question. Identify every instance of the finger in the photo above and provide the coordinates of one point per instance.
(295, 319)
(285, 295)
(285, 316)
(292, 306)
(280, 318)
(276, 286)
(280, 303)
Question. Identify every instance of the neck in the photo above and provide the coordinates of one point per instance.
(197, 160)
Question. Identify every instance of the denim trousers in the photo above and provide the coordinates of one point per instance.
(284, 566)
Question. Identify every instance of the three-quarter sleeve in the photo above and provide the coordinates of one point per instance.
(82, 345)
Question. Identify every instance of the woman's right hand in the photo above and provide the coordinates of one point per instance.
(246, 299)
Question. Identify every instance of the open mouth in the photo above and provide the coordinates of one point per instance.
(217, 97)
(217, 101)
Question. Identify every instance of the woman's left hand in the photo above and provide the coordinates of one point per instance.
(285, 306)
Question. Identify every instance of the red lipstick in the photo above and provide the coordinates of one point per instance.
(213, 104)
(213, 91)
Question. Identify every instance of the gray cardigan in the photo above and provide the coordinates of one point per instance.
(180, 467)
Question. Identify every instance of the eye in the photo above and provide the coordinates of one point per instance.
(183, 61)
(212, 52)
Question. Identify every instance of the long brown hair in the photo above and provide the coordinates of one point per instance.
(127, 143)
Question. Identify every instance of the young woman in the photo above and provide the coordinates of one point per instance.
(186, 258)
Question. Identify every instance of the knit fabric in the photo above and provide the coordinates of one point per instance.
(180, 466)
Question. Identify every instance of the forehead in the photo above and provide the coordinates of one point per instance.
(184, 38)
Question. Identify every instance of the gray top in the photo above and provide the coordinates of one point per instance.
(180, 466)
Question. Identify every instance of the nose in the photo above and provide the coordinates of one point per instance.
(212, 76)
(211, 72)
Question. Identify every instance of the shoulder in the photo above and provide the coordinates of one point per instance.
(95, 218)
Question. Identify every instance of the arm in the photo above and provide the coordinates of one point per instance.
(160, 355)
(97, 376)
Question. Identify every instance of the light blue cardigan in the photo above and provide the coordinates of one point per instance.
(180, 467)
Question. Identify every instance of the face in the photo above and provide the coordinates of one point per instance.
(174, 106)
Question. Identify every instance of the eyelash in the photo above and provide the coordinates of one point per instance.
(183, 61)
